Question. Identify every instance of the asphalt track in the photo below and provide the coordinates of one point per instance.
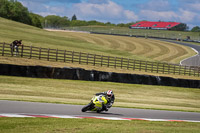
(19, 107)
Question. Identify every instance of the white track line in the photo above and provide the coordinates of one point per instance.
(91, 117)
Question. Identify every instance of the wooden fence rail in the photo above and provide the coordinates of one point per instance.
(48, 54)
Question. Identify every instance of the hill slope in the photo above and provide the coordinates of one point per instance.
(129, 47)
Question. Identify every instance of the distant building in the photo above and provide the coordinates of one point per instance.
(154, 25)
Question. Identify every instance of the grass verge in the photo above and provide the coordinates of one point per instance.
(52, 125)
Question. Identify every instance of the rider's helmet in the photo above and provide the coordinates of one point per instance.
(109, 93)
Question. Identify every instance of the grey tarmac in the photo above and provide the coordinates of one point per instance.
(20, 107)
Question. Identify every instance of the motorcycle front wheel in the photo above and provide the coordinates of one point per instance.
(87, 107)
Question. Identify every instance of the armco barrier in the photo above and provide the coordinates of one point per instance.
(93, 75)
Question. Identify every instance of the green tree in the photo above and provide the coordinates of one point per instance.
(4, 8)
(78, 23)
(74, 17)
(196, 29)
(180, 27)
(53, 21)
(14, 10)
(36, 20)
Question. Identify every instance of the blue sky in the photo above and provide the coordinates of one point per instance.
(120, 11)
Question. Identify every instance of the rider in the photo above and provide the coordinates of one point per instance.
(110, 97)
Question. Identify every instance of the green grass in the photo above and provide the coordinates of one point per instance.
(52, 125)
(80, 92)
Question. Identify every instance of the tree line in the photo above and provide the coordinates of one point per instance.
(14, 10)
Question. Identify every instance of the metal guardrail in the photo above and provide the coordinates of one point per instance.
(97, 60)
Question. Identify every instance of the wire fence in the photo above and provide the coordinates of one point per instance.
(48, 54)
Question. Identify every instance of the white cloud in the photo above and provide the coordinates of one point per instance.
(104, 11)
(156, 5)
(187, 16)
(194, 6)
(158, 15)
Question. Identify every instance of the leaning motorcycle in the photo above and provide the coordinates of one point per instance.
(95, 104)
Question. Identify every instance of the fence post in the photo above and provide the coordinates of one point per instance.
(169, 68)
(79, 58)
(152, 67)
(115, 62)
(128, 63)
(146, 66)
(157, 67)
(133, 64)
(101, 60)
(190, 71)
(72, 56)
(39, 53)
(87, 58)
(22, 50)
(108, 61)
(174, 69)
(163, 67)
(121, 62)
(64, 55)
(30, 52)
(12, 49)
(56, 54)
(140, 67)
(3, 49)
(94, 60)
(48, 54)
(179, 69)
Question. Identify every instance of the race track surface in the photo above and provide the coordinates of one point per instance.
(192, 61)
(16, 107)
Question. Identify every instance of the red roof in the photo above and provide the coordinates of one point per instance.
(148, 24)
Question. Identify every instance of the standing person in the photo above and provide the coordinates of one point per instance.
(15, 46)
(110, 98)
